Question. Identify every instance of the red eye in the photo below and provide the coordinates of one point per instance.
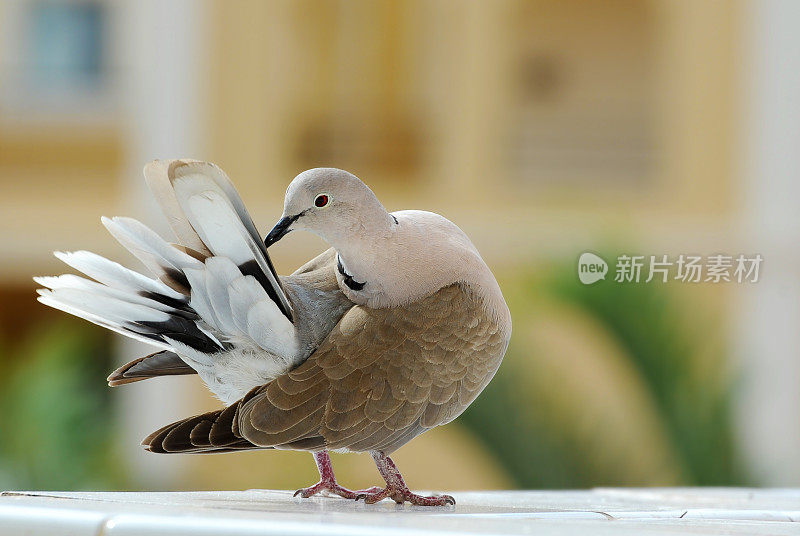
(321, 200)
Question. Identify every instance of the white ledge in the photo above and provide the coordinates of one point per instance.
(601, 511)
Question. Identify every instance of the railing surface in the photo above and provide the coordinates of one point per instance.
(604, 511)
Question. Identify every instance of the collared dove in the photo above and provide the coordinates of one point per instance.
(391, 332)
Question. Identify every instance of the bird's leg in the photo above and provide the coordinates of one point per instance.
(396, 488)
(327, 480)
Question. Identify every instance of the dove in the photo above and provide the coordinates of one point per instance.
(393, 331)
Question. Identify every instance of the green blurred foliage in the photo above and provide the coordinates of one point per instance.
(674, 355)
(57, 420)
(694, 402)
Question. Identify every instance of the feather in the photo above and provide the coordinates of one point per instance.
(156, 174)
(271, 330)
(217, 214)
(258, 316)
(70, 281)
(200, 300)
(189, 333)
(189, 251)
(243, 292)
(163, 363)
(49, 300)
(161, 258)
(219, 226)
(222, 180)
(219, 274)
(131, 316)
(193, 306)
(114, 274)
(112, 309)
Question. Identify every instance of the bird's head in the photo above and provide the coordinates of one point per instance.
(331, 203)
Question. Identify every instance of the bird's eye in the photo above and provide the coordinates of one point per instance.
(321, 201)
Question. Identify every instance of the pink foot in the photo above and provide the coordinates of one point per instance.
(327, 483)
(400, 496)
(396, 488)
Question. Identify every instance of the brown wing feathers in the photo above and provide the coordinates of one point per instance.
(210, 432)
(163, 363)
(382, 377)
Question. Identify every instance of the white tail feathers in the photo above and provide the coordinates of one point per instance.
(76, 283)
(82, 305)
(114, 274)
(161, 258)
(112, 309)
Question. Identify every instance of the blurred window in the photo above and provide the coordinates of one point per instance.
(585, 93)
(65, 44)
(56, 61)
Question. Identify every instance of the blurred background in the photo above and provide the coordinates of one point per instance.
(543, 128)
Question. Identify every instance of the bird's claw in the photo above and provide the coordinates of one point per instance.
(326, 487)
(369, 491)
(401, 496)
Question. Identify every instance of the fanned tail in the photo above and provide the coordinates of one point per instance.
(215, 287)
(126, 302)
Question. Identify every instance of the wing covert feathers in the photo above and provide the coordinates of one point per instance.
(382, 377)
(210, 432)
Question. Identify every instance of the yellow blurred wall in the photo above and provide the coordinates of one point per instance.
(438, 105)
(426, 101)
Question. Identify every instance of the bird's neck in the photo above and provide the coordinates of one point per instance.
(361, 255)
(423, 253)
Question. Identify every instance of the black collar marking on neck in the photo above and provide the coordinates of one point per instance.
(347, 278)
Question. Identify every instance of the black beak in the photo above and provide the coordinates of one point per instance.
(280, 230)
